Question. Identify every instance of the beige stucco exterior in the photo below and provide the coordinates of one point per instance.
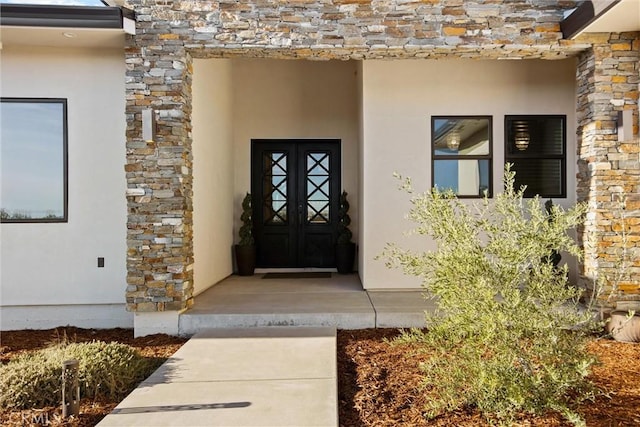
(308, 99)
(237, 100)
(213, 171)
(399, 98)
(54, 266)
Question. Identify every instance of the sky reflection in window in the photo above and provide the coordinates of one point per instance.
(32, 159)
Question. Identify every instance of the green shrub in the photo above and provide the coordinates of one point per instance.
(509, 335)
(246, 230)
(110, 370)
(344, 220)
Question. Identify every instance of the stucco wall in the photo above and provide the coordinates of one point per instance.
(56, 264)
(295, 99)
(213, 199)
(399, 99)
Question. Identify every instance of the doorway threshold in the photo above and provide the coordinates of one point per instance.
(296, 270)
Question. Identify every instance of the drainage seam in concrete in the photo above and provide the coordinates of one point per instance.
(375, 313)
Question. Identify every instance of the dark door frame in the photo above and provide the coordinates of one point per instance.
(295, 241)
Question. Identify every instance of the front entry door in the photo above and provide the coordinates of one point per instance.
(296, 192)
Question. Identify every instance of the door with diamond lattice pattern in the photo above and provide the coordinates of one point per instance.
(296, 189)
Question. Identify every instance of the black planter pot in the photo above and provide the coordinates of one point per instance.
(345, 256)
(246, 259)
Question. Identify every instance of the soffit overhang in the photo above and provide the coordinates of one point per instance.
(602, 16)
(64, 26)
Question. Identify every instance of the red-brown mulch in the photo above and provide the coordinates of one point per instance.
(379, 384)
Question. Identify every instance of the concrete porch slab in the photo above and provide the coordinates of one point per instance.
(338, 301)
(400, 309)
(244, 302)
(256, 284)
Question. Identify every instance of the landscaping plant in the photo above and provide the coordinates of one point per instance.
(509, 332)
(246, 229)
(344, 220)
(110, 370)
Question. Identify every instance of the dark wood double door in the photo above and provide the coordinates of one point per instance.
(296, 192)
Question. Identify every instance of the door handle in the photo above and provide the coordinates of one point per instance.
(300, 216)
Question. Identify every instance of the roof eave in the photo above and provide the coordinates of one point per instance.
(56, 16)
(584, 15)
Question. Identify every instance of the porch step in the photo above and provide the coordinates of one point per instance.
(240, 377)
(352, 310)
(338, 301)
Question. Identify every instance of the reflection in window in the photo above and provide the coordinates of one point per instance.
(536, 146)
(463, 177)
(275, 181)
(33, 157)
(317, 192)
(461, 148)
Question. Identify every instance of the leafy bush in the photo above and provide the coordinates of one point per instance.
(109, 370)
(509, 333)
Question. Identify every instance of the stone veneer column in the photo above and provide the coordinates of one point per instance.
(609, 171)
(159, 172)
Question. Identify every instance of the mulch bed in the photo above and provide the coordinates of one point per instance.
(379, 383)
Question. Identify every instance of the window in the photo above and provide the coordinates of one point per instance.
(461, 153)
(33, 160)
(536, 146)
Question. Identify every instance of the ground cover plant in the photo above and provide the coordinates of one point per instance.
(509, 335)
(112, 363)
(109, 370)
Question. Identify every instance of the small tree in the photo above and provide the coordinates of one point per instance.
(508, 334)
(344, 220)
(246, 230)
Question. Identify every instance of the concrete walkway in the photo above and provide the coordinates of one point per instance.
(264, 353)
(274, 376)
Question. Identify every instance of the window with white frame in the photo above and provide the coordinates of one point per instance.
(33, 160)
(536, 147)
(461, 148)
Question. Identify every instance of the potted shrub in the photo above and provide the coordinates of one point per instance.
(554, 256)
(345, 248)
(246, 249)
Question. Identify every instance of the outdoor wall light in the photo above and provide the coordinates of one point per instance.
(624, 125)
(148, 125)
(453, 141)
(522, 140)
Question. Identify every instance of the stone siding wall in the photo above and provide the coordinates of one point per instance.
(609, 171)
(170, 33)
(355, 29)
